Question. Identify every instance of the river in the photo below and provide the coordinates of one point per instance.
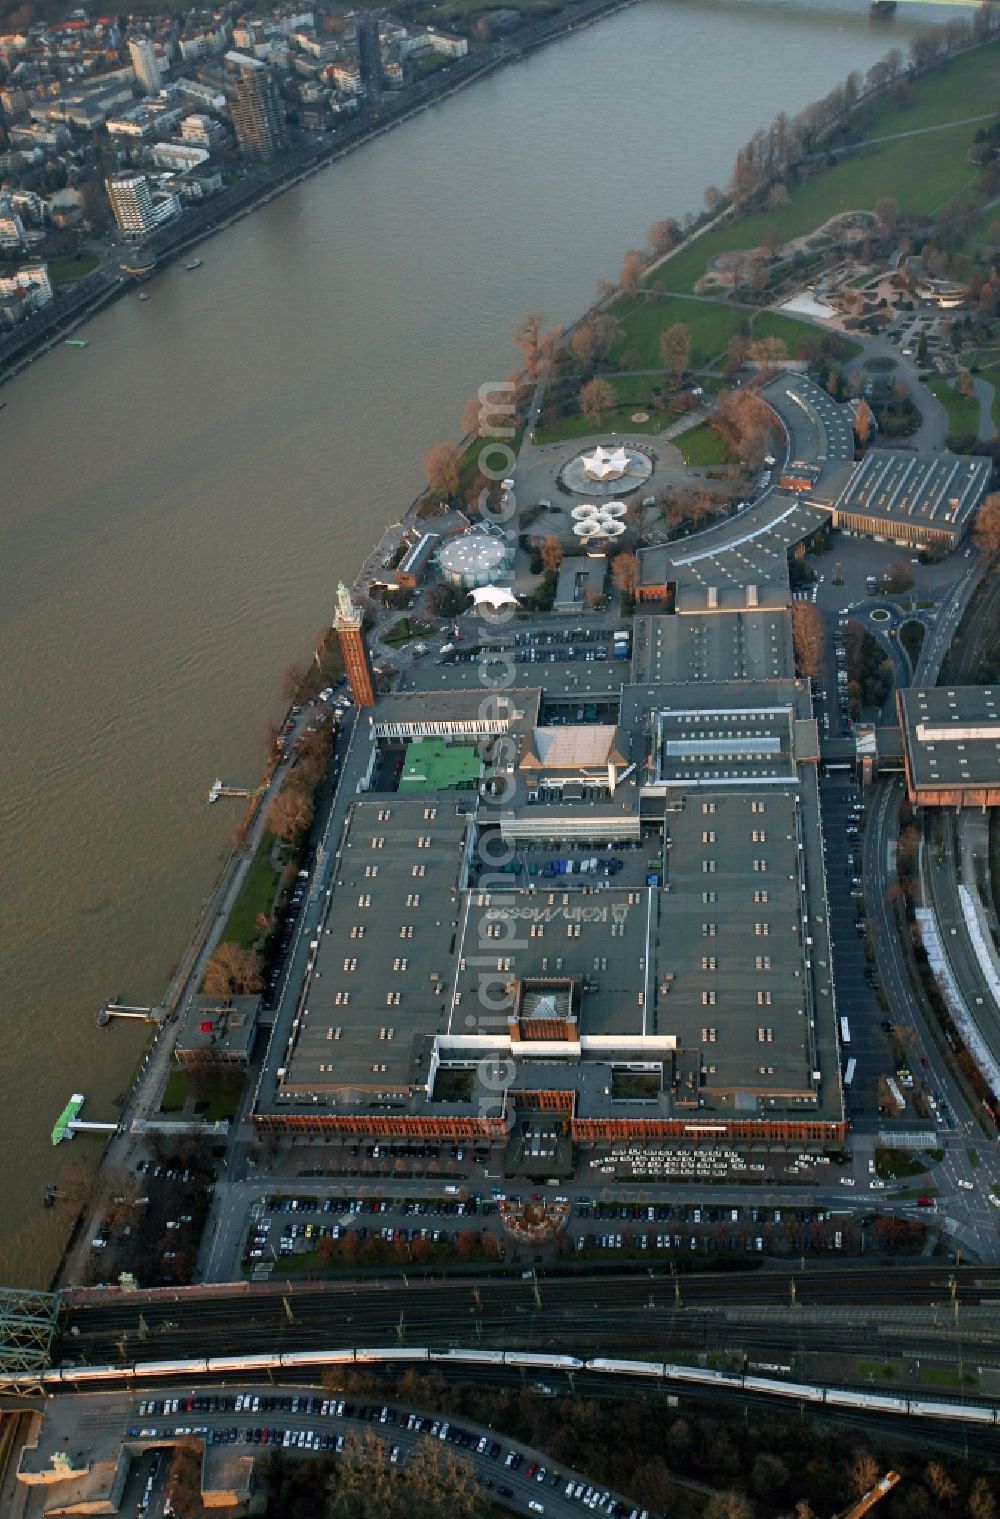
(180, 498)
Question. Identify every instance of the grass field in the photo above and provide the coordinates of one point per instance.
(921, 172)
(702, 446)
(174, 1093)
(711, 323)
(256, 896)
(963, 86)
(963, 411)
(617, 421)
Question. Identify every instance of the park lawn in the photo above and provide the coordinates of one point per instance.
(174, 1093)
(617, 421)
(256, 896)
(961, 87)
(711, 323)
(62, 271)
(702, 446)
(963, 411)
(793, 330)
(922, 173)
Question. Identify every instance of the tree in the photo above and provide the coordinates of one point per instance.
(294, 682)
(964, 384)
(714, 200)
(291, 814)
(864, 1472)
(768, 352)
(625, 573)
(527, 337)
(552, 552)
(596, 398)
(232, 971)
(862, 421)
(731, 1505)
(986, 532)
(898, 577)
(675, 347)
(631, 271)
(662, 236)
(808, 630)
(887, 212)
(939, 1481)
(441, 467)
(982, 1504)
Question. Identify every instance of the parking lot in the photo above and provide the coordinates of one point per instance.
(256, 1420)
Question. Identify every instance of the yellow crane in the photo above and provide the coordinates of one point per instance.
(870, 1498)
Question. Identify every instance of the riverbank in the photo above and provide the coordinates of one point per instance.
(97, 290)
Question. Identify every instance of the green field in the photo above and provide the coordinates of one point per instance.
(712, 324)
(962, 87)
(256, 896)
(619, 420)
(702, 446)
(963, 411)
(921, 172)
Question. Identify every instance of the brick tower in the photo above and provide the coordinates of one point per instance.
(347, 621)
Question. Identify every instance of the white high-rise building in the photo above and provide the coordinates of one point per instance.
(136, 212)
(145, 64)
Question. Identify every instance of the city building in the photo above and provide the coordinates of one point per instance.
(23, 292)
(348, 624)
(136, 209)
(179, 156)
(145, 64)
(657, 966)
(951, 745)
(258, 119)
(218, 1032)
(922, 501)
(203, 131)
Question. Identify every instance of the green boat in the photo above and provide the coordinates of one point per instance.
(77, 342)
(62, 1128)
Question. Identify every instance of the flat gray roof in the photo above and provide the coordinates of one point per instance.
(377, 987)
(893, 489)
(558, 930)
(820, 429)
(730, 965)
(745, 645)
(952, 735)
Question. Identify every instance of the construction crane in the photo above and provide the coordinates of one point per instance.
(870, 1498)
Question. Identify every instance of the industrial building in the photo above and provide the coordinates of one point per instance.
(623, 907)
(951, 745)
(924, 501)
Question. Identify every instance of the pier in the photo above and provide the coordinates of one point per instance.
(219, 788)
(115, 1009)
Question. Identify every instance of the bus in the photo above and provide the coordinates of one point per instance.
(845, 1031)
(849, 1071)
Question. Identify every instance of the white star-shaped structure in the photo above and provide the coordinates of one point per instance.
(606, 463)
(493, 596)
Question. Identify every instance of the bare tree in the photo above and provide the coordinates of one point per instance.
(625, 573)
(232, 971)
(808, 629)
(986, 532)
(552, 552)
(294, 681)
(862, 421)
(675, 348)
(964, 384)
(631, 271)
(291, 814)
(714, 200)
(441, 467)
(663, 235)
(596, 399)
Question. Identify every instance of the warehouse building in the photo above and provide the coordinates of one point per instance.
(951, 745)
